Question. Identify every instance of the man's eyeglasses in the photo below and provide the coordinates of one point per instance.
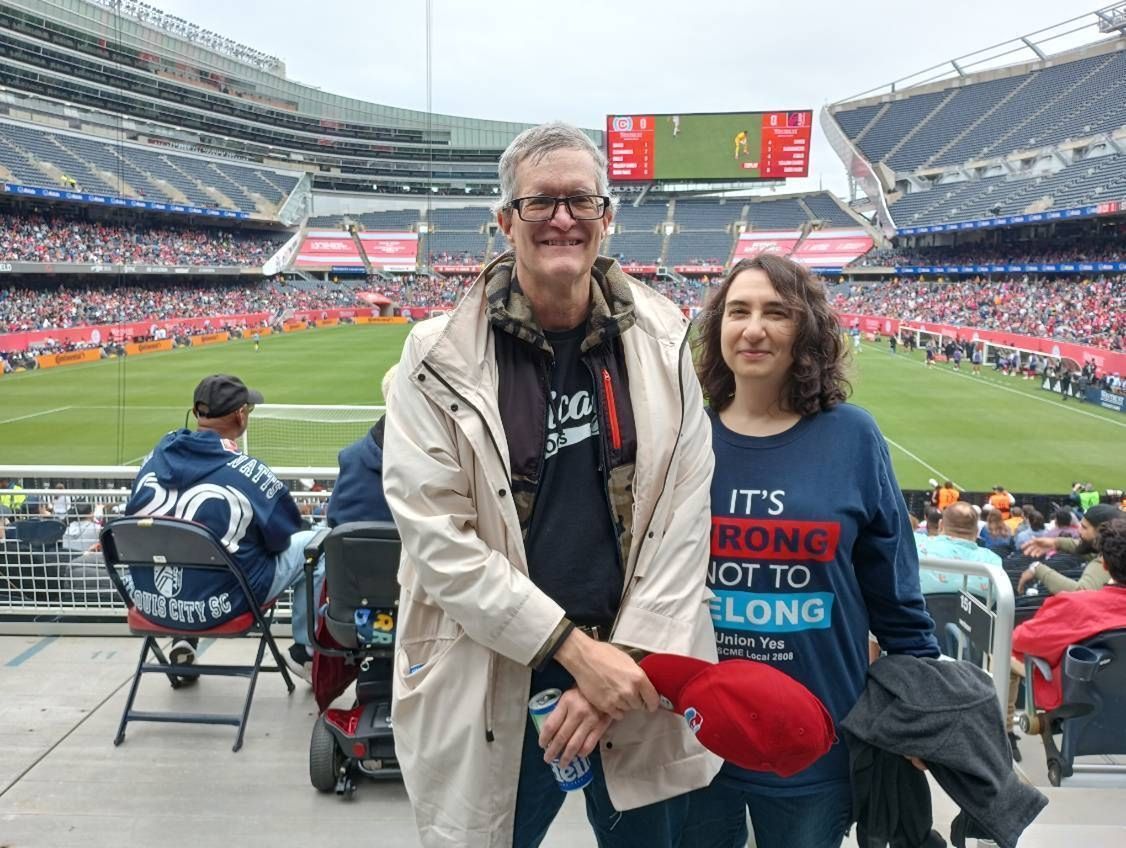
(582, 207)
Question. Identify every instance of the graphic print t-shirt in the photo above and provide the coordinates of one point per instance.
(571, 545)
(811, 548)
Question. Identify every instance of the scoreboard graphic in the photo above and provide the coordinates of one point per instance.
(725, 146)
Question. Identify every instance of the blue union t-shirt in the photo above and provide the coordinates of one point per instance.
(810, 549)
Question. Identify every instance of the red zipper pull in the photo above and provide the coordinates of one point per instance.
(611, 410)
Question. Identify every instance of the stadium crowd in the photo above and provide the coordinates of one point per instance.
(1086, 312)
(24, 309)
(51, 238)
(1078, 250)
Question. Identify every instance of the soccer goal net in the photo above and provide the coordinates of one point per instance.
(294, 434)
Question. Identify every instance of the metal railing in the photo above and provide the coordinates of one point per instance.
(52, 575)
(1000, 602)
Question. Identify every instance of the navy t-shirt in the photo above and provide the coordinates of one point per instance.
(571, 545)
(810, 549)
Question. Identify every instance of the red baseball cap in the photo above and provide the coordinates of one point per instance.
(749, 713)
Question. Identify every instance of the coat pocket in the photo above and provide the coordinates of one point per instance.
(415, 660)
(427, 636)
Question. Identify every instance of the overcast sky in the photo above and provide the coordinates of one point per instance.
(529, 61)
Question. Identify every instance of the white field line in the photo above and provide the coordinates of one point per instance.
(989, 382)
(36, 414)
(925, 465)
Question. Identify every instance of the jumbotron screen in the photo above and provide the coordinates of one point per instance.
(724, 146)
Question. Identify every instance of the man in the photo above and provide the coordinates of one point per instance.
(13, 498)
(548, 463)
(1094, 575)
(1002, 501)
(975, 358)
(932, 522)
(958, 540)
(741, 139)
(82, 533)
(1072, 617)
(358, 493)
(947, 495)
(203, 476)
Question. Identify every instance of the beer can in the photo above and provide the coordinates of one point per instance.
(578, 774)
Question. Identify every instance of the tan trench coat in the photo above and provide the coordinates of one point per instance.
(470, 618)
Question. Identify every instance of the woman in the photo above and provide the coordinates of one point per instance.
(996, 534)
(811, 540)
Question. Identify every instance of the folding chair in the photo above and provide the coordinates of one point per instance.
(1094, 702)
(160, 542)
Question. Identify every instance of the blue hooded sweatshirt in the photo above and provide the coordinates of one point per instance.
(201, 477)
(358, 493)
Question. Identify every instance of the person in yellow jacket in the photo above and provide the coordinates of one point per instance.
(11, 495)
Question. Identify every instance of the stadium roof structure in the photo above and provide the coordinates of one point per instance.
(1031, 126)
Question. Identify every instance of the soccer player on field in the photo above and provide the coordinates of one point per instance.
(741, 143)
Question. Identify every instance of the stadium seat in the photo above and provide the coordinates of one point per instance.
(159, 542)
(40, 532)
(1094, 703)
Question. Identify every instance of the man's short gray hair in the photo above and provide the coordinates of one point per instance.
(535, 143)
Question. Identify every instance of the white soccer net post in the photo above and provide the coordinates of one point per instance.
(302, 434)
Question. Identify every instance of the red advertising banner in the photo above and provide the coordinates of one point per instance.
(1106, 361)
(447, 268)
(698, 269)
(323, 249)
(104, 333)
(391, 251)
(769, 241)
(832, 248)
(633, 268)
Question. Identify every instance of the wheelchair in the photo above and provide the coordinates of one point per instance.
(354, 637)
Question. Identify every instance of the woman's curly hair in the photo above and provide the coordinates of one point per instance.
(817, 379)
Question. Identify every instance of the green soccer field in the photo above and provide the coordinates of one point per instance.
(705, 147)
(114, 411)
(976, 431)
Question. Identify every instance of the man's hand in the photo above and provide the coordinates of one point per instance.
(1038, 546)
(608, 677)
(1026, 577)
(917, 763)
(572, 729)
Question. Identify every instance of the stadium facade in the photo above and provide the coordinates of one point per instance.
(108, 68)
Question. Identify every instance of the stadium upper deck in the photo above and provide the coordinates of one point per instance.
(93, 64)
(1022, 139)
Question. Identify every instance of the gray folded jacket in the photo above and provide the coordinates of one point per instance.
(947, 714)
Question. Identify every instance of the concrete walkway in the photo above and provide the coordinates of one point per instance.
(64, 785)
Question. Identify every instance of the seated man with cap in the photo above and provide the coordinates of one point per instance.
(203, 476)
